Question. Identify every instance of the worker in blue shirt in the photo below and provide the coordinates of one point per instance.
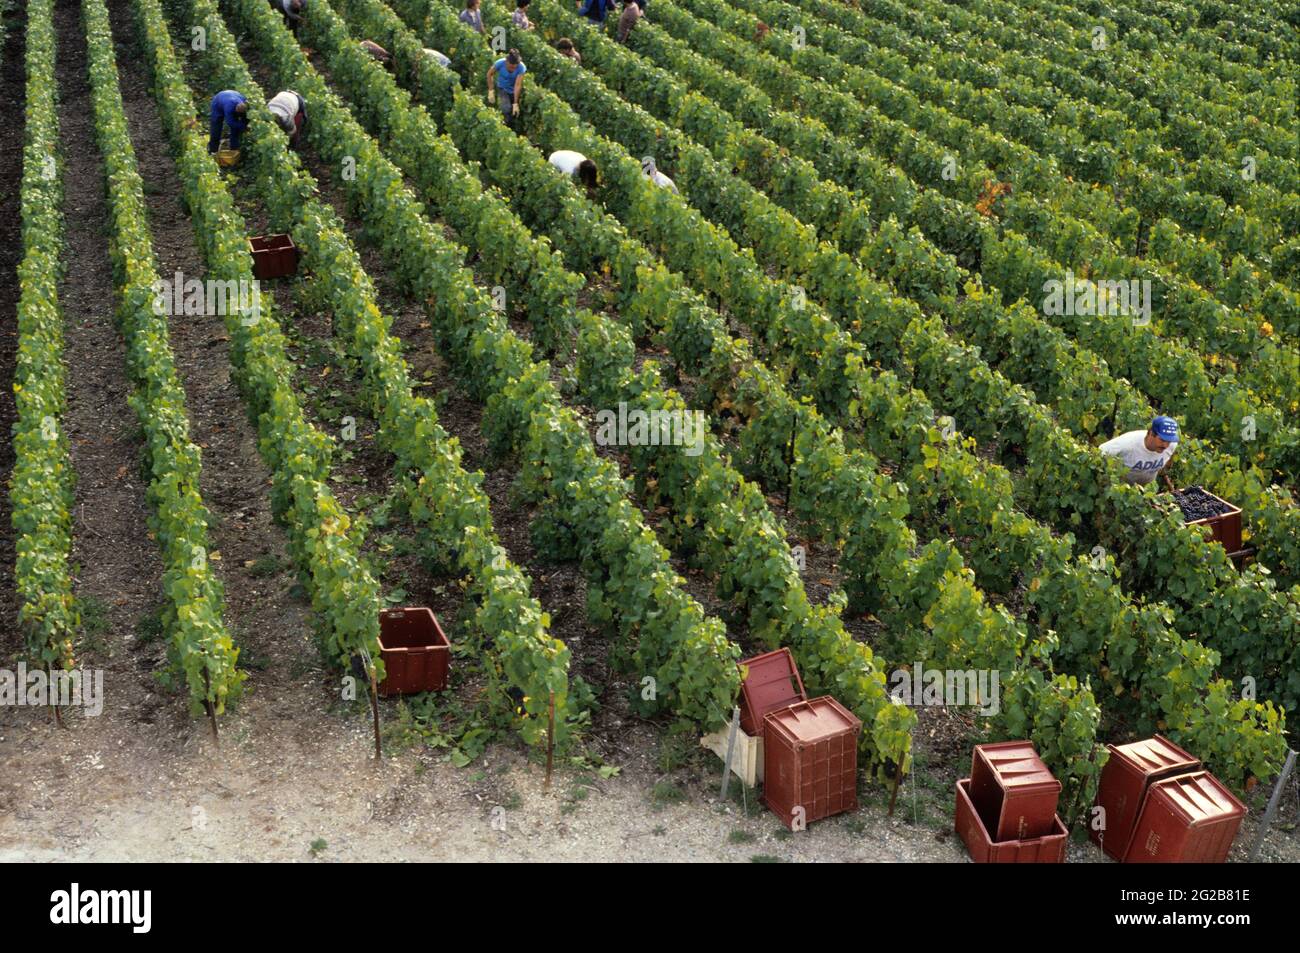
(593, 10)
(505, 81)
(229, 108)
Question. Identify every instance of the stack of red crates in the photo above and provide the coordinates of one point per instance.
(1160, 807)
(810, 748)
(1006, 809)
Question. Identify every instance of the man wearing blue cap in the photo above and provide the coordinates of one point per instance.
(1145, 452)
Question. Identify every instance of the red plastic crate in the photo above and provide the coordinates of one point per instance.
(1125, 780)
(768, 682)
(416, 652)
(1049, 849)
(1226, 527)
(1187, 819)
(1013, 790)
(274, 256)
(810, 760)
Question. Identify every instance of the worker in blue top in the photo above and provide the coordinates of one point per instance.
(509, 74)
(593, 10)
(229, 108)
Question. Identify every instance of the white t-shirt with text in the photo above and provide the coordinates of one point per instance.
(1143, 464)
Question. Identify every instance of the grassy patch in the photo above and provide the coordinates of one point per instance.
(665, 793)
(264, 566)
(149, 628)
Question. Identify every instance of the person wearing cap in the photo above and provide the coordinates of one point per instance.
(1145, 452)
(229, 108)
(508, 73)
(577, 165)
(652, 173)
(289, 110)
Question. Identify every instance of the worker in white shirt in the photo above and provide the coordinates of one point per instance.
(1145, 452)
(654, 175)
(577, 165)
(290, 113)
(437, 57)
(293, 12)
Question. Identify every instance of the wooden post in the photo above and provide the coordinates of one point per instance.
(54, 698)
(731, 747)
(1083, 788)
(789, 460)
(550, 740)
(898, 779)
(1272, 806)
(374, 707)
(212, 711)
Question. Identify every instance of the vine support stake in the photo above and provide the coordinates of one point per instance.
(374, 707)
(1273, 801)
(789, 459)
(54, 697)
(212, 711)
(731, 747)
(898, 778)
(550, 739)
(1075, 807)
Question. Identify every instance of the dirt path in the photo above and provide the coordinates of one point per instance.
(13, 92)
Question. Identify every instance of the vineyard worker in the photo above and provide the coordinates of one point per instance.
(290, 113)
(293, 11)
(229, 108)
(472, 15)
(439, 58)
(652, 171)
(576, 164)
(509, 83)
(377, 51)
(566, 48)
(520, 17)
(594, 10)
(1145, 452)
(627, 19)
